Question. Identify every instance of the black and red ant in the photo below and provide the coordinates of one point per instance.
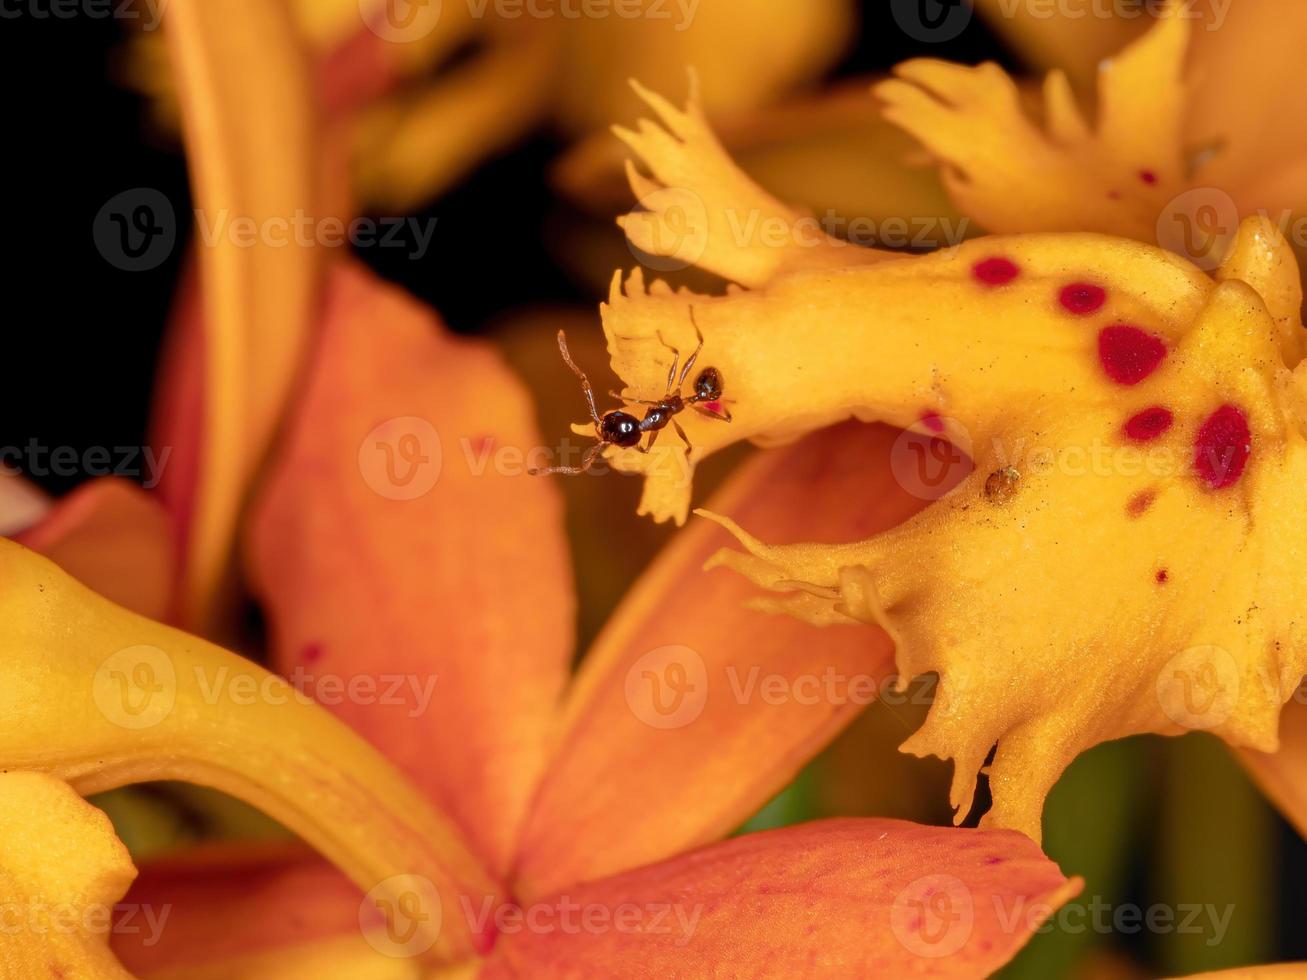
(619, 428)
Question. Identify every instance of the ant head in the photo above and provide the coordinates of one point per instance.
(620, 429)
(708, 385)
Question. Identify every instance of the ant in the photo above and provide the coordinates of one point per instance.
(619, 428)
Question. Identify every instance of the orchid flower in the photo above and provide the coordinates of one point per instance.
(1117, 401)
(482, 790)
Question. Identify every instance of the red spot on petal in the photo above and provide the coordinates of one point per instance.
(1140, 503)
(1114, 195)
(1129, 355)
(1082, 298)
(311, 653)
(1149, 424)
(714, 407)
(483, 444)
(1222, 448)
(995, 271)
(932, 421)
(1148, 177)
(1161, 576)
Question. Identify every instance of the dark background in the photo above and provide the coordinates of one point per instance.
(82, 336)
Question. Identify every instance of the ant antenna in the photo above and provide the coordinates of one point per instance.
(585, 382)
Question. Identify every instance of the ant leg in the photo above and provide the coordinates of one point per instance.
(653, 437)
(689, 446)
(631, 401)
(689, 365)
(585, 382)
(676, 358)
(587, 461)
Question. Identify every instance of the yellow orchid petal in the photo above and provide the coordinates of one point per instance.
(111, 535)
(101, 697)
(1129, 528)
(1072, 35)
(61, 871)
(827, 153)
(1009, 174)
(243, 80)
(749, 52)
(699, 208)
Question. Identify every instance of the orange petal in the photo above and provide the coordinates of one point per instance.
(1246, 69)
(252, 911)
(838, 898)
(133, 701)
(401, 543)
(642, 771)
(248, 119)
(61, 871)
(114, 537)
(1282, 775)
(22, 502)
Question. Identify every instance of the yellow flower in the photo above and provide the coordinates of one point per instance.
(1137, 429)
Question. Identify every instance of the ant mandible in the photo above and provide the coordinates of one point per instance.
(619, 428)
